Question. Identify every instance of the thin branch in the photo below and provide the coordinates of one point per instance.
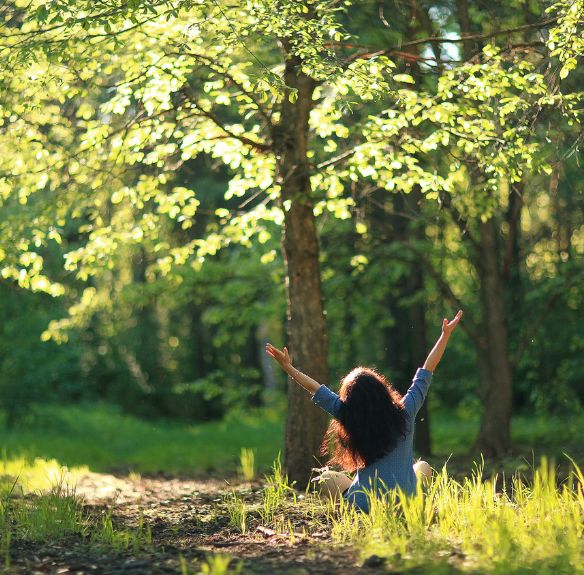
(398, 50)
(260, 146)
(468, 37)
(337, 159)
(468, 325)
(211, 64)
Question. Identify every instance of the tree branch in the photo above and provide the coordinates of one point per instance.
(469, 326)
(464, 39)
(337, 159)
(461, 222)
(468, 37)
(210, 63)
(260, 146)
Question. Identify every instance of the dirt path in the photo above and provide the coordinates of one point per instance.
(187, 518)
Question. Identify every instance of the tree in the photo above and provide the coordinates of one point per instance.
(118, 126)
(132, 93)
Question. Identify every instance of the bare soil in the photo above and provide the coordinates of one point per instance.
(187, 518)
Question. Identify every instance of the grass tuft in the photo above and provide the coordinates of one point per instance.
(247, 464)
(51, 515)
(237, 511)
(106, 534)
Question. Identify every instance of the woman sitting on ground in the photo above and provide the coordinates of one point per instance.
(373, 426)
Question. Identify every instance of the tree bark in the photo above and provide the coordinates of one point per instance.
(494, 438)
(465, 27)
(305, 424)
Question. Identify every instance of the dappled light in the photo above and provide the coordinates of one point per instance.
(291, 286)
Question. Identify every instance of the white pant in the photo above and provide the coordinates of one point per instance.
(334, 483)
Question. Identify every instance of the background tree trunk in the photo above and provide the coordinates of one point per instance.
(494, 437)
(305, 424)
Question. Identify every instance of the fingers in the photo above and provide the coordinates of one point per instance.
(451, 325)
(278, 355)
(448, 326)
(271, 350)
(457, 317)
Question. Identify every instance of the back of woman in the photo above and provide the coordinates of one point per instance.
(383, 421)
(372, 430)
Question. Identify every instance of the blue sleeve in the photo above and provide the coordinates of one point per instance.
(415, 396)
(327, 400)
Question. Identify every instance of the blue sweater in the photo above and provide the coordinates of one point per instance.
(396, 468)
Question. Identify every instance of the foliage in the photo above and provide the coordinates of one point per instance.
(138, 182)
(565, 39)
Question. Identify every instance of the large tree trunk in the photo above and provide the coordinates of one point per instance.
(305, 424)
(494, 437)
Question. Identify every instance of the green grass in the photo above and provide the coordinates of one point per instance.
(454, 433)
(103, 439)
(461, 524)
(536, 525)
(48, 516)
(30, 474)
(105, 534)
(39, 504)
(532, 526)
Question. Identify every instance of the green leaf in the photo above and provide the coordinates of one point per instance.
(406, 78)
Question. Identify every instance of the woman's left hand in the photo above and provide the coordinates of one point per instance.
(448, 326)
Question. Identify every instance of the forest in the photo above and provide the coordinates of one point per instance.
(185, 181)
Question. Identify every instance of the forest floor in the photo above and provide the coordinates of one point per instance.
(186, 518)
(125, 517)
(184, 525)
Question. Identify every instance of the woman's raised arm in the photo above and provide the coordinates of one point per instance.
(435, 355)
(283, 358)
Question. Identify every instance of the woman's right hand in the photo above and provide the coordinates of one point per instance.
(281, 356)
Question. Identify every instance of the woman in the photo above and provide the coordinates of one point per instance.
(373, 426)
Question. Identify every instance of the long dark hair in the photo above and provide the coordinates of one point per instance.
(371, 421)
